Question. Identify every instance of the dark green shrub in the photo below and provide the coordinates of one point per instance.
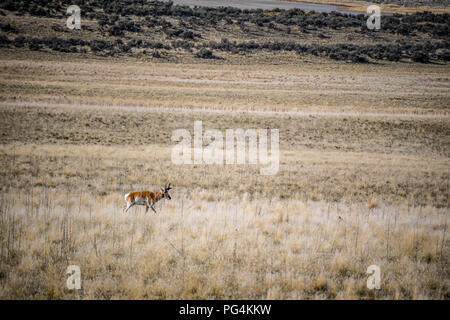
(205, 54)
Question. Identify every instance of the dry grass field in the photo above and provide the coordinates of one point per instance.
(363, 176)
(76, 136)
(313, 85)
(199, 248)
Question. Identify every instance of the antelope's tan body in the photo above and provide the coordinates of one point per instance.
(146, 198)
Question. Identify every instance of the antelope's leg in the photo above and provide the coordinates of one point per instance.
(147, 205)
(129, 205)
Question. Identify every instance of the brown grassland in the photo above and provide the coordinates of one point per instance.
(76, 135)
(363, 175)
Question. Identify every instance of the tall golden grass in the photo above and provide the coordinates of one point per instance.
(238, 248)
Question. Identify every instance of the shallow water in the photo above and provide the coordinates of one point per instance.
(258, 4)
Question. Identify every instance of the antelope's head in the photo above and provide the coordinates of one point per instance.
(165, 191)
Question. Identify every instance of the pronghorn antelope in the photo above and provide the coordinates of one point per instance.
(147, 198)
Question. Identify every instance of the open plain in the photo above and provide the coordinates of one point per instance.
(363, 175)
